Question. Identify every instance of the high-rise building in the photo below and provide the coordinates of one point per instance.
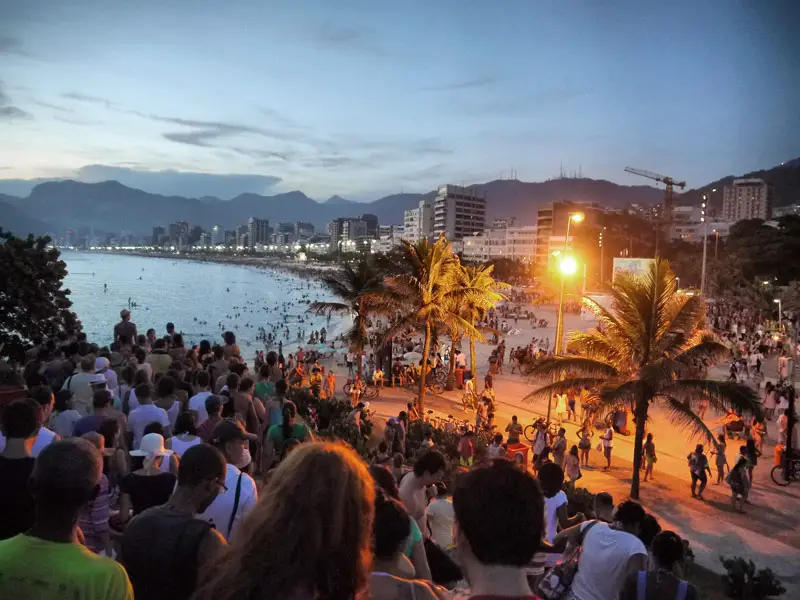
(502, 241)
(158, 236)
(418, 222)
(242, 237)
(371, 222)
(303, 230)
(178, 233)
(205, 239)
(257, 232)
(194, 235)
(551, 227)
(458, 212)
(229, 237)
(348, 230)
(747, 199)
(217, 235)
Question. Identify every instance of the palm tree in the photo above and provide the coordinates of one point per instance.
(647, 349)
(425, 283)
(360, 290)
(486, 294)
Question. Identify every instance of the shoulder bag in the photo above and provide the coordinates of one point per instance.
(556, 581)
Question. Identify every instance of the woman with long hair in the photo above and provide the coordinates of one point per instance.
(278, 435)
(309, 545)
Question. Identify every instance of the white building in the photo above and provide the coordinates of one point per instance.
(747, 199)
(418, 222)
(515, 243)
(686, 214)
(783, 211)
(693, 232)
(458, 212)
(217, 235)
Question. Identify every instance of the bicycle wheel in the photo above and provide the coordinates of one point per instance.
(436, 387)
(777, 475)
(529, 432)
(371, 392)
(441, 376)
(346, 388)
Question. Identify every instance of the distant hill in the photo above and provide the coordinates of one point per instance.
(18, 222)
(784, 178)
(338, 200)
(112, 207)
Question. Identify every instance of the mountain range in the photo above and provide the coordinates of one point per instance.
(55, 206)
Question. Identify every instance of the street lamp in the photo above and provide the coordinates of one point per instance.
(780, 311)
(568, 266)
(704, 221)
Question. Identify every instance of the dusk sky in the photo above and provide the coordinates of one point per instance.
(365, 98)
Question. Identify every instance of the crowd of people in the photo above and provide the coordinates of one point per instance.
(147, 469)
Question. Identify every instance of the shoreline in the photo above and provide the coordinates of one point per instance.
(274, 266)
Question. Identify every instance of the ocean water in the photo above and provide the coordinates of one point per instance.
(201, 299)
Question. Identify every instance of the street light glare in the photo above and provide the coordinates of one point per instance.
(777, 301)
(568, 266)
(577, 217)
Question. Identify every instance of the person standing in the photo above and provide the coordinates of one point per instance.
(770, 400)
(561, 407)
(721, 459)
(80, 384)
(19, 424)
(165, 547)
(46, 561)
(125, 327)
(560, 447)
(197, 403)
(585, 442)
(607, 440)
(514, 430)
(141, 416)
(649, 454)
(610, 553)
(499, 528)
(228, 511)
(698, 465)
(662, 581)
(428, 470)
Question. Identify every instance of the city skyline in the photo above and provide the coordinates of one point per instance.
(362, 100)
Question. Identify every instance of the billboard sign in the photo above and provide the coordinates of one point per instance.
(632, 266)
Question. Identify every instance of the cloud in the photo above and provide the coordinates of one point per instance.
(462, 85)
(9, 112)
(522, 104)
(11, 45)
(180, 183)
(349, 37)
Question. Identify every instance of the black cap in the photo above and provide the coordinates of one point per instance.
(227, 431)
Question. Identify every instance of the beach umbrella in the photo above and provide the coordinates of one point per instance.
(412, 356)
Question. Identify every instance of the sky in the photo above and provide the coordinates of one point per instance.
(365, 98)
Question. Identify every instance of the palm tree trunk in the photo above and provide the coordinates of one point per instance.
(358, 361)
(451, 372)
(641, 421)
(473, 360)
(425, 351)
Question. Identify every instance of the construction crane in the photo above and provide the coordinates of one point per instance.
(668, 181)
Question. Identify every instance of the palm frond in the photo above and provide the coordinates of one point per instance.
(329, 308)
(682, 415)
(588, 367)
(563, 386)
(721, 395)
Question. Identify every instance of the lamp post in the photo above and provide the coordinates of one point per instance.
(704, 221)
(567, 266)
(780, 312)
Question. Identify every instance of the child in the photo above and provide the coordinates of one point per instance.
(721, 459)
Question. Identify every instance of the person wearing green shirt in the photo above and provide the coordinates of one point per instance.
(48, 562)
(278, 435)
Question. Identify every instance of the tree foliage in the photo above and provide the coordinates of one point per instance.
(32, 301)
(649, 347)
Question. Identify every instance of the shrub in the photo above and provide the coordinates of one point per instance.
(581, 500)
(743, 582)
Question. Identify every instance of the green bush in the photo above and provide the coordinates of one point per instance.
(743, 582)
(580, 500)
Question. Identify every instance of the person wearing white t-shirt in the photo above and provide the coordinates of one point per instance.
(230, 508)
(44, 399)
(551, 479)
(608, 445)
(197, 403)
(146, 413)
(440, 515)
(610, 553)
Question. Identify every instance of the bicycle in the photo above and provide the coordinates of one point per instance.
(779, 472)
(370, 392)
(530, 431)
